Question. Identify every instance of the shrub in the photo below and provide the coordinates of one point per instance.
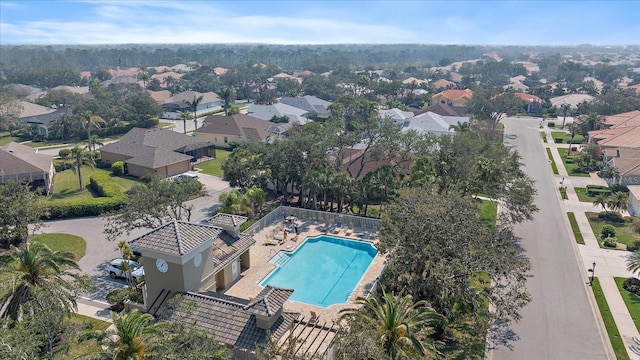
(116, 298)
(608, 231)
(118, 168)
(558, 140)
(64, 153)
(635, 225)
(634, 245)
(610, 216)
(551, 124)
(81, 207)
(619, 188)
(61, 165)
(610, 242)
(603, 187)
(104, 185)
(632, 285)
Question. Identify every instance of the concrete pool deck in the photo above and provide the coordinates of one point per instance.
(248, 284)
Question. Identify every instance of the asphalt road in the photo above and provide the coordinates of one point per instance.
(559, 322)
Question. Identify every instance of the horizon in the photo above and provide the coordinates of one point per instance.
(312, 23)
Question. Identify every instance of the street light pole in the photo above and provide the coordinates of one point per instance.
(593, 273)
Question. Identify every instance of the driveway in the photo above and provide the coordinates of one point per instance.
(559, 322)
(100, 250)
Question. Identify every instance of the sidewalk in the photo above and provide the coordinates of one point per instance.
(95, 309)
(609, 263)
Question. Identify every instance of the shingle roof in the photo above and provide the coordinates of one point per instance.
(231, 321)
(266, 112)
(236, 125)
(396, 114)
(155, 147)
(30, 109)
(180, 98)
(308, 103)
(176, 237)
(571, 99)
(19, 159)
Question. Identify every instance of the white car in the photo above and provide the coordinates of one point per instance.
(116, 269)
(185, 177)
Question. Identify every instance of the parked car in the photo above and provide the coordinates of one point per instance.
(185, 177)
(116, 269)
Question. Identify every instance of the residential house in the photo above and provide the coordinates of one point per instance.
(82, 91)
(532, 103)
(443, 84)
(162, 77)
(22, 163)
(455, 77)
(22, 90)
(433, 123)
(453, 97)
(412, 80)
(626, 159)
(227, 131)
(443, 109)
(156, 152)
(122, 79)
(160, 96)
(179, 102)
(398, 116)
(39, 116)
(267, 112)
(312, 105)
(634, 200)
(195, 261)
(571, 99)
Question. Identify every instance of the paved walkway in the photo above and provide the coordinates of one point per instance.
(608, 263)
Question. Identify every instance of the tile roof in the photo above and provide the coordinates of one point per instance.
(227, 219)
(240, 125)
(412, 80)
(455, 94)
(176, 237)
(527, 97)
(226, 248)
(160, 96)
(162, 76)
(629, 139)
(269, 301)
(230, 320)
(395, 114)
(189, 95)
(443, 109)
(627, 166)
(635, 191)
(443, 83)
(18, 159)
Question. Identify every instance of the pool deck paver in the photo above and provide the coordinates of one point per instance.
(248, 285)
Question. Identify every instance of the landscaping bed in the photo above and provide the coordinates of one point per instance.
(569, 164)
(625, 233)
(560, 137)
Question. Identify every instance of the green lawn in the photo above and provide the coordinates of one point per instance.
(63, 242)
(544, 137)
(631, 300)
(5, 138)
(609, 323)
(566, 138)
(214, 167)
(624, 231)
(66, 184)
(488, 211)
(554, 167)
(582, 195)
(75, 349)
(569, 166)
(574, 227)
(54, 143)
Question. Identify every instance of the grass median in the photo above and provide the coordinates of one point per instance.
(609, 323)
(575, 228)
(554, 167)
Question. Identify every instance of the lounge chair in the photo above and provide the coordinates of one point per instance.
(314, 317)
(348, 231)
(270, 241)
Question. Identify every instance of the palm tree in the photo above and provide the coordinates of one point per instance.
(461, 127)
(397, 322)
(32, 270)
(194, 107)
(184, 116)
(633, 262)
(235, 202)
(81, 157)
(601, 199)
(256, 196)
(63, 125)
(617, 201)
(566, 108)
(87, 120)
(128, 340)
(95, 140)
(225, 94)
(573, 131)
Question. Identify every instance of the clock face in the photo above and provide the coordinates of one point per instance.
(162, 265)
(197, 260)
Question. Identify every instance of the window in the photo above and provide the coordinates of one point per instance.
(226, 140)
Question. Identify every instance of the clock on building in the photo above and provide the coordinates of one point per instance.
(162, 265)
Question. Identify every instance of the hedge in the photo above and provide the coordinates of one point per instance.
(104, 185)
(117, 168)
(81, 207)
(597, 187)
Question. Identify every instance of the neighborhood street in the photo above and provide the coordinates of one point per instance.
(559, 322)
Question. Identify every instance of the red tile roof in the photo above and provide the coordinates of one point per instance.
(527, 97)
(454, 94)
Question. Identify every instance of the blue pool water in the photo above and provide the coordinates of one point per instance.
(323, 270)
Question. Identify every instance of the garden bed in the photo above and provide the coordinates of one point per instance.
(624, 231)
(569, 165)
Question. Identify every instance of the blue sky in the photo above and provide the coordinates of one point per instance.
(544, 22)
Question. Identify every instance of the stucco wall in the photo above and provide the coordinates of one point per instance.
(218, 139)
(162, 172)
(634, 201)
(110, 158)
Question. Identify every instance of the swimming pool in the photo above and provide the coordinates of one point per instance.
(323, 270)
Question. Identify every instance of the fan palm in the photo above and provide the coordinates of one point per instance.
(81, 157)
(566, 108)
(63, 125)
(128, 341)
(601, 200)
(633, 262)
(87, 120)
(397, 322)
(194, 107)
(34, 270)
(617, 201)
(184, 116)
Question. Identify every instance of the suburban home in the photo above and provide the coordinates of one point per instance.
(443, 109)
(412, 80)
(433, 123)
(22, 163)
(161, 77)
(227, 131)
(532, 103)
(39, 116)
(179, 102)
(443, 84)
(634, 200)
(122, 79)
(312, 105)
(197, 260)
(267, 112)
(453, 97)
(571, 99)
(398, 116)
(156, 152)
(82, 91)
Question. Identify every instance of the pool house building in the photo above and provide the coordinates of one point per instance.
(219, 269)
